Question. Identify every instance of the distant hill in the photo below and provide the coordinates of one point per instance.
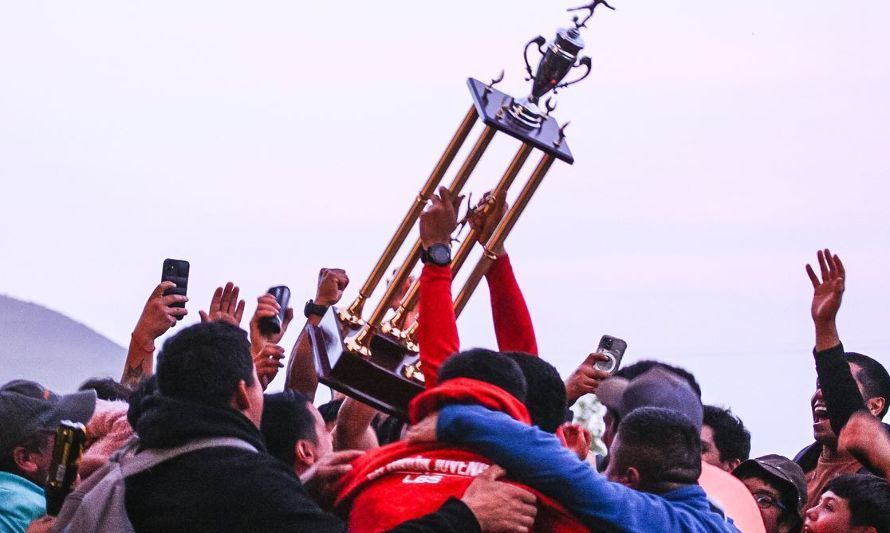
(46, 346)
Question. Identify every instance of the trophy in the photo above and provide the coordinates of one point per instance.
(375, 359)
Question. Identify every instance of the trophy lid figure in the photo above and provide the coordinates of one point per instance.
(556, 62)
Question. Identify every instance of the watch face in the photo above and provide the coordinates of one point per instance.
(440, 254)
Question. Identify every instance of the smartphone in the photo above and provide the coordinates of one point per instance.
(177, 271)
(272, 324)
(613, 348)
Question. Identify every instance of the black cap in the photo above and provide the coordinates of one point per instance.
(27, 407)
(781, 469)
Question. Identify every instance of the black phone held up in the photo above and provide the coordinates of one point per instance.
(613, 348)
(177, 271)
(271, 325)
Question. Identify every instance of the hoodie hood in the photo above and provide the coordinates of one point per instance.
(466, 391)
(166, 422)
(375, 463)
(368, 495)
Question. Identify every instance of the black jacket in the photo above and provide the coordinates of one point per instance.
(231, 489)
(215, 489)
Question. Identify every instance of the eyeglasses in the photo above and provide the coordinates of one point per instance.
(766, 500)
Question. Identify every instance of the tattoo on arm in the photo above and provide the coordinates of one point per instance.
(133, 375)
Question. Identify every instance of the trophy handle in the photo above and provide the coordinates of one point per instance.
(585, 61)
(550, 105)
(540, 41)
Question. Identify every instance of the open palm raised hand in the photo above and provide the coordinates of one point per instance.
(827, 293)
(225, 306)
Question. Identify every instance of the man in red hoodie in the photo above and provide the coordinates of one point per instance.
(432, 472)
(373, 494)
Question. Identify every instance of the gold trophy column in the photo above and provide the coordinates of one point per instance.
(361, 343)
(501, 232)
(353, 314)
(395, 327)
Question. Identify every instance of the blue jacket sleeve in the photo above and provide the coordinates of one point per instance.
(562, 476)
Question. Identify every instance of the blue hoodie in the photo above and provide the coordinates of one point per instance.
(539, 460)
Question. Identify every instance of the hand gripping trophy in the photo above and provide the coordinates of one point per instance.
(375, 359)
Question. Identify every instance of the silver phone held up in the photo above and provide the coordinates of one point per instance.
(613, 348)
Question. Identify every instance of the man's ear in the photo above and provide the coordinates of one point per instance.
(24, 460)
(876, 405)
(731, 464)
(241, 400)
(305, 452)
(632, 478)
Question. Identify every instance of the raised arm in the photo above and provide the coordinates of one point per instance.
(512, 321)
(842, 396)
(157, 317)
(353, 430)
(437, 326)
(265, 348)
(301, 374)
(866, 439)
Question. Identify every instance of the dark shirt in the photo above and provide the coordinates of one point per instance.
(232, 489)
(215, 489)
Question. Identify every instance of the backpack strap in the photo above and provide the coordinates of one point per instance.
(149, 458)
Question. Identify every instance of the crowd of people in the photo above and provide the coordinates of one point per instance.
(188, 439)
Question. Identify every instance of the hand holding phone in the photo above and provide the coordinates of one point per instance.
(176, 271)
(613, 348)
(587, 377)
(271, 325)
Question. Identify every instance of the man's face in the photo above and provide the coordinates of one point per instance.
(45, 458)
(822, 431)
(609, 432)
(325, 444)
(709, 452)
(830, 515)
(768, 497)
(309, 451)
(38, 462)
(615, 470)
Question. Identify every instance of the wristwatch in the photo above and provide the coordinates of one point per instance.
(312, 308)
(438, 254)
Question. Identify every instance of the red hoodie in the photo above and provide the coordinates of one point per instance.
(372, 495)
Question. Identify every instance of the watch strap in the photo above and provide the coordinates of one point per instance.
(312, 308)
(428, 255)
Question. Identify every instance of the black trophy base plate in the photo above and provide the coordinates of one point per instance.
(493, 105)
(376, 380)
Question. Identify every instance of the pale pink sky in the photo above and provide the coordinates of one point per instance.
(718, 145)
